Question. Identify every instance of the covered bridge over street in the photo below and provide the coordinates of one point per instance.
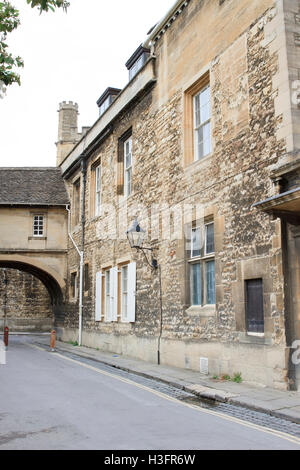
(33, 248)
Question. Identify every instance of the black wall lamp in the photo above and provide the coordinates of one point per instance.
(136, 235)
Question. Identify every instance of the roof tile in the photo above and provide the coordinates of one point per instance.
(33, 186)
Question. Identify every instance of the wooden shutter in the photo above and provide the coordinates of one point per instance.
(98, 295)
(131, 292)
(73, 284)
(114, 292)
(120, 169)
(76, 202)
(86, 277)
(254, 306)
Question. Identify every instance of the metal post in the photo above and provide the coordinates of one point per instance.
(5, 297)
(80, 298)
(160, 316)
(6, 331)
(52, 340)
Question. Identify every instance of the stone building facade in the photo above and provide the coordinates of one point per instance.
(33, 248)
(195, 147)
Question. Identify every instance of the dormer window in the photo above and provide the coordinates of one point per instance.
(105, 105)
(106, 99)
(137, 66)
(137, 60)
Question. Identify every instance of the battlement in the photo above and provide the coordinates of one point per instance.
(68, 105)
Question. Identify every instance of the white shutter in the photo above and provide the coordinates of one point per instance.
(109, 316)
(114, 293)
(98, 295)
(131, 292)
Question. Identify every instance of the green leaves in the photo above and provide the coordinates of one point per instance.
(9, 20)
(46, 5)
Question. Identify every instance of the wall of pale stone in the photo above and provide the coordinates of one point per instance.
(225, 185)
(25, 301)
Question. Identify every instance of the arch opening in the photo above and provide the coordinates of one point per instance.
(48, 287)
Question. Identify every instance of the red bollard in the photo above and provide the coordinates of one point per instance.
(6, 331)
(52, 340)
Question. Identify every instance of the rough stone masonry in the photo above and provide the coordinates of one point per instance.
(237, 55)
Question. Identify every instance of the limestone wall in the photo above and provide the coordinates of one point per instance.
(231, 45)
(25, 304)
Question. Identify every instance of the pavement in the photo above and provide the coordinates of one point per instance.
(61, 401)
(282, 404)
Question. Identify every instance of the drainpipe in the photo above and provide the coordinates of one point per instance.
(5, 298)
(80, 274)
(80, 252)
(160, 316)
(83, 171)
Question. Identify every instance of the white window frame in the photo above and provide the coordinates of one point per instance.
(127, 169)
(98, 188)
(107, 308)
(107, 295)
(124, 294)
(202, 125)
(38, 225)
(205, 238)
(202, 260)
(131, 293)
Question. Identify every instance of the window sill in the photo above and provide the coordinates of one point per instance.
(124, 197)
(75, 229)
(95, 218)
(37, 238)
(254, 338)
(114, 322)
(196, 163)
(204, 311)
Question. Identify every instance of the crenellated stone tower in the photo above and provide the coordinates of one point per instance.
(68, 134)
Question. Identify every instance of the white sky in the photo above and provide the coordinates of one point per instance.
(68, 57)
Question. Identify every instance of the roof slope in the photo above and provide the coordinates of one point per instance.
(32, 186)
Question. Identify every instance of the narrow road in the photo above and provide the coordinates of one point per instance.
(51, 401)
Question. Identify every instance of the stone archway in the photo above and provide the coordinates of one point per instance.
(43, 280)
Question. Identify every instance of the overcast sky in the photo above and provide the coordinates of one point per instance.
(68, 57)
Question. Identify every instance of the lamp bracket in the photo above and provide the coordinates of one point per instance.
(153, 264)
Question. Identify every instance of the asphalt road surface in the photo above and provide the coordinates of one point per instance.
(51, 401)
